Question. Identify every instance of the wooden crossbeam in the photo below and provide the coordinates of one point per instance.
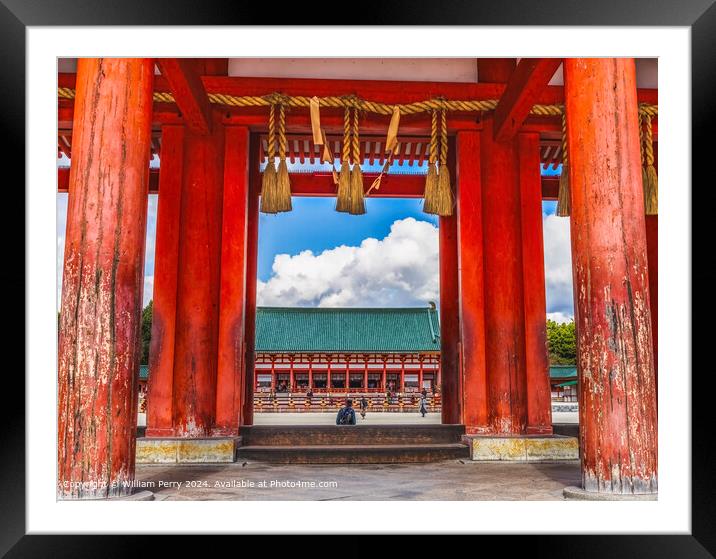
(184, 80)
(523, 91)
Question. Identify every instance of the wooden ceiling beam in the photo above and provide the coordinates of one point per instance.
(524, 89)
(185, 83)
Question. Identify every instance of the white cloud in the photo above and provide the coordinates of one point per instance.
(559, 317)
(400, 270)
(558, 268)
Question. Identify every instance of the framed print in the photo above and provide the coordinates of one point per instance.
(313, 279)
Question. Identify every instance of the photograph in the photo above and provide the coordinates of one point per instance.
(319, 279)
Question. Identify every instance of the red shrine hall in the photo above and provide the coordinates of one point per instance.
(230, 145)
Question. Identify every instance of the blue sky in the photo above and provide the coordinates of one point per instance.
(315, 256)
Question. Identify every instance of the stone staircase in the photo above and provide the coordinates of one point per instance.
(355, 444)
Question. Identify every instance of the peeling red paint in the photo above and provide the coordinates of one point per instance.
(451, 399)
(539, 396)
(504, 295)
(471, 275)
(161, 351)
(98, 355)
(195, 352)
(615, 361)
(233, 287)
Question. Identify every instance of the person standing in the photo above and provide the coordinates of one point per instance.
(363, 406)
(423, 405)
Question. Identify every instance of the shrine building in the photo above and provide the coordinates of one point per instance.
(347, 350)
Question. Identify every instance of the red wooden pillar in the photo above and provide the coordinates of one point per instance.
(290, 374)
(472, 291)
(402, 374)
(504, 301)
(420, 375)
(539, 396)
(195, 353)
(229, 383)
(385, 374)
(652, 250)
(103, 275)
(348, 370)
(310, 372)
(365, 373)
(252, 243)
(449, 321)
(166, 254)
(617, 397)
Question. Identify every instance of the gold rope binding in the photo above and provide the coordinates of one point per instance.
(343, 196)
(268, 180)
(444, 194)
(651, 182)
(357, 205)
(283, 183)
(430, 196)
(563, 196)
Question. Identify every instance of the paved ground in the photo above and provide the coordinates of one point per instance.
(329, 418)
(452, 480)
(376, 418)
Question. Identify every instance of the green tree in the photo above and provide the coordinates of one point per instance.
(562, 343)
(146, 332)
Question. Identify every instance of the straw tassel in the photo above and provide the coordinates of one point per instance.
(268, 179)
(444, 194)
(283, 183)
(431, 180)
(343, 196)
(563, 206)
(650, 179)
(357, 206)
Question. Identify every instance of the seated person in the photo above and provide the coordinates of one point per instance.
(346, 415)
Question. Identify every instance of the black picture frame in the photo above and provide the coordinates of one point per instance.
(699, 15)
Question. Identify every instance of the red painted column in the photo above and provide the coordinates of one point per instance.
(652, 249)
(449, 321)
(617, 397)
(310, 373)
(103, 276)
(229, 383)
(252, 243)
(504, 301)
(166, 254)
(539, 396)
(195, 353)
(365, 374)
(471, 277)
(402, 374)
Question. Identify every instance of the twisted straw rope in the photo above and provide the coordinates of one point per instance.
(433, 137)
(355, 139)
(564, 139)
(351, 101)
(443, 138)
(648, 142)
(272, 133)
(345, 152)
(281, 132)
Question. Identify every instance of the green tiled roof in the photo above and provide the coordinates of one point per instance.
(143, 372)
(562, 371)
(391, 330)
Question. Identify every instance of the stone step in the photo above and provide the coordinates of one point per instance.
(316, 435)
(354, 454)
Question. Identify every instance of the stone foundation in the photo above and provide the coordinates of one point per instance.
(522, 449)
(172, 450)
